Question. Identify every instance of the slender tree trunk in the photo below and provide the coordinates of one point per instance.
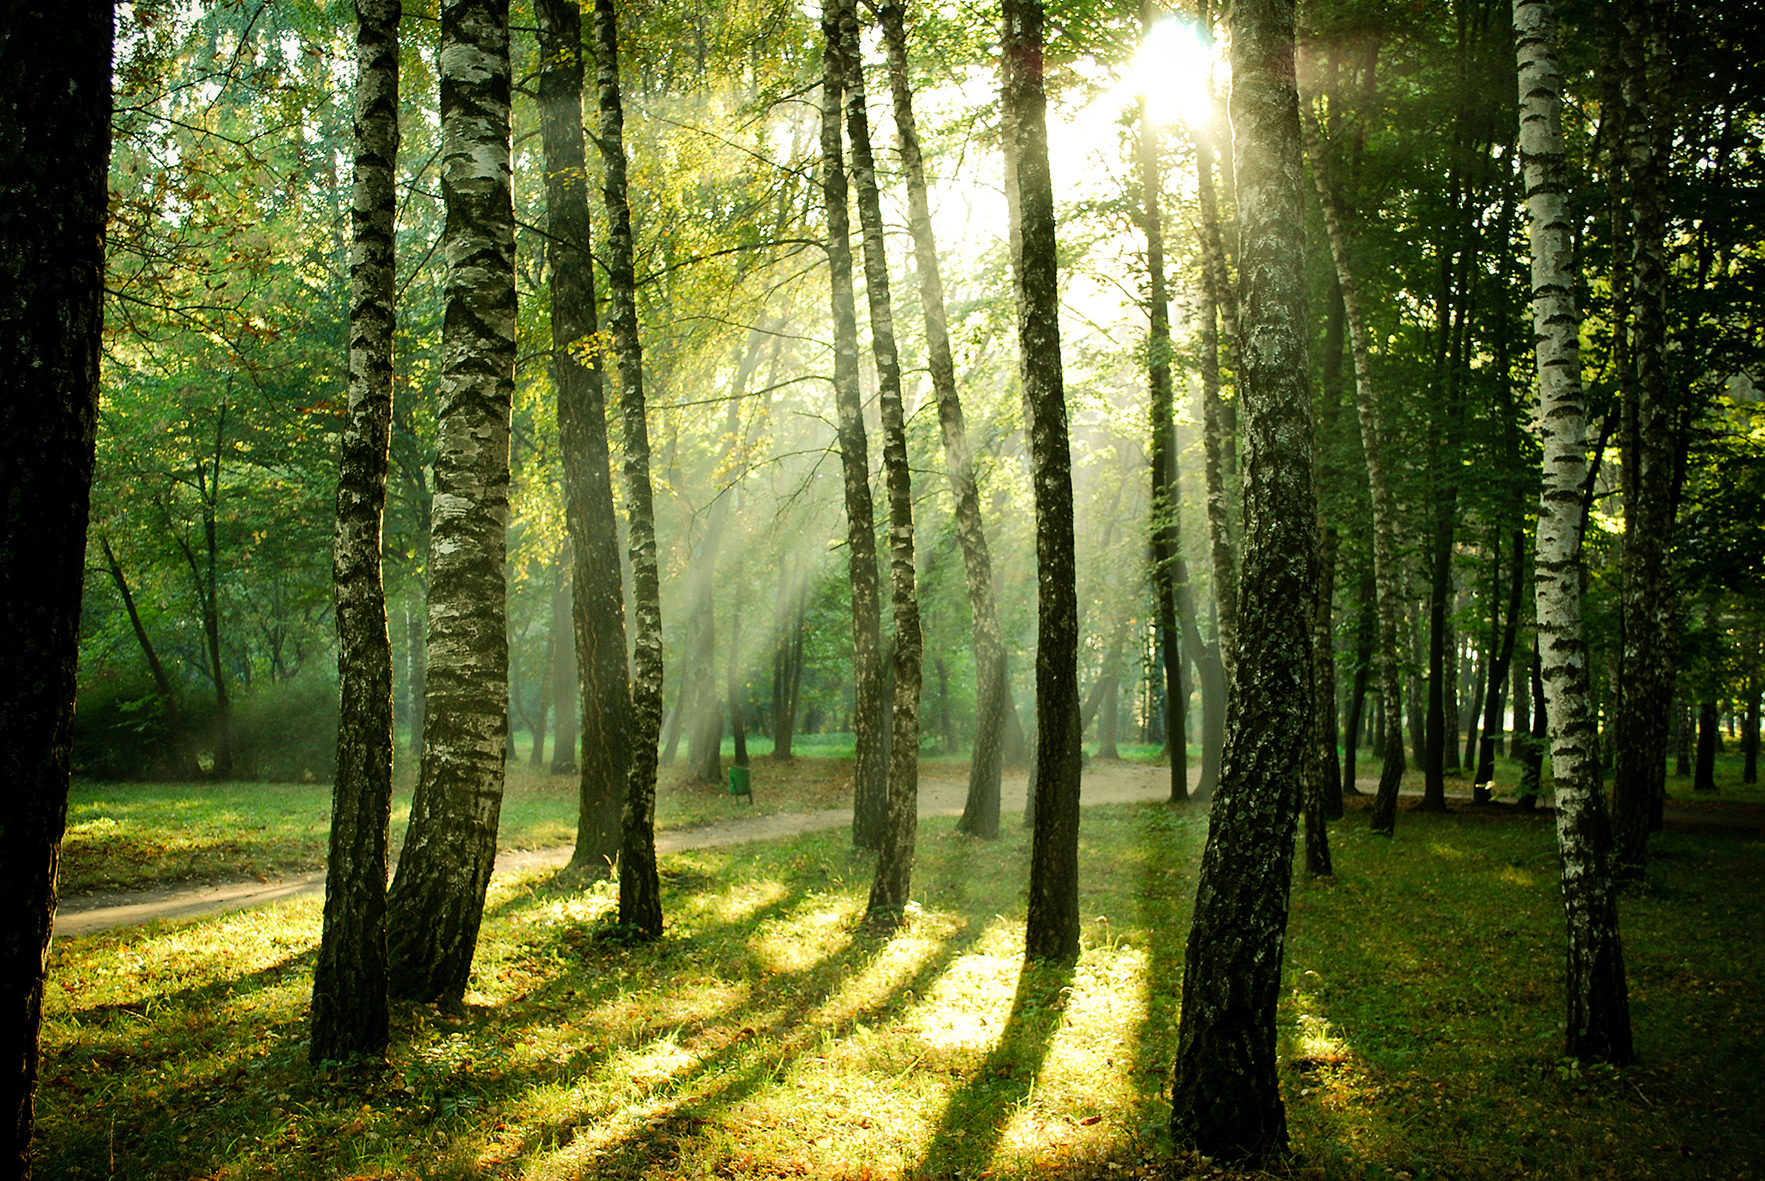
(437, 898)
(640, 888)
(1498, 674)
(980, 813)
(548, 673)
(176, 758)
(597, 596)
(55, 107)
(1166, 541)
(1385, 565)
(1225, 1092)
(566, 682)
(1750, 729)
(737, 722)
(1052, 932)
(1704, 774)
(1646, 674)
(1534, 742)
(870, 774)
(894, 868)
(349, 1011)
(1324, 675)
(784, 702)
(1363, 664)
(1598, 1018)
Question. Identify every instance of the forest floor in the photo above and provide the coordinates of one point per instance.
(769, 1034)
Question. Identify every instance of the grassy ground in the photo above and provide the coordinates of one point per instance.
(136, 835)
(767, 1035)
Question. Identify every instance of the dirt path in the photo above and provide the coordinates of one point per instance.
(1113, 783)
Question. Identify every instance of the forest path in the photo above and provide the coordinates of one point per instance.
(1103, 783)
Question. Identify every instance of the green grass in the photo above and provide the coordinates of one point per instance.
(768, 1035)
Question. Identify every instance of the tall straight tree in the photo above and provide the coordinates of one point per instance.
(597, 603)
(894, 866)
(55, 107)
(1646, 693)
(1371, 413)
(1165, 542)
(1598, 1018)
(980, 813)
(349, 1012)
(870, 773)
(1225, 1095)
(437, 898)
(640, 888)
(1052, 932)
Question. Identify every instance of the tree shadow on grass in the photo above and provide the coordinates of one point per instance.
(973, 1121)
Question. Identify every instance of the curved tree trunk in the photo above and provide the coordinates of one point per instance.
(1053, 927)
(980, 813)
(1385, 568)
(1166, 541)
(1225, 1093)
(870, 773)
(52, 220)
(640, 888)
(178, 760)
(1598, 1018)
(597, 598)
(349, 1011)
(437, 898)
(894, 866)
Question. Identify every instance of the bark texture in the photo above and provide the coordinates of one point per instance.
(1598, 1017)
(349, 1011)
(1646, 687)
(894, 866)
(1385, 566)
(870, 773)
(437, 898)
(1226, 1097)
(980, 812)
(54, 159)
(640, 888)
(1053, 928)
(597, 599)
(1165, 541)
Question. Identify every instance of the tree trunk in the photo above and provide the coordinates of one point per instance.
(640, 888)
(349, 1011)
(1166, 541)
(565, 680)
(597, 597)
(177, 761)
(1749, 736)
(1052, 931)
(737, 722)
(870, 772)
(786, 657)
(437, 898)
(1532, 743)
(1498, 675)
(1522, 695)
(894, 867)
(1704, 775)
(1648, 597)
(1385, 568)
(1226, 1095)
(417, 664)
(55, 107)
(1598, 1018)
(548, 673)
(980, 813)
(1324, 675)
(1363, 663)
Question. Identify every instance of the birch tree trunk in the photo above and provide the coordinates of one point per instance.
(53, 205)
(349, 1011)
(980, 812)
(870, 773)
(1225, 1094)
(894, 867)
(597, 596)
(437, 898)
(1385, 567)
(640, 888)
(1646, 690)
(1598, 1017)
(1053, 928)
(1165, 541)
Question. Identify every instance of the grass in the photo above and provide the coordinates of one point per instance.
(142, 835)
(768, 1035)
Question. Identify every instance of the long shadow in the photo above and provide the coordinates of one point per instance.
(973, 1121)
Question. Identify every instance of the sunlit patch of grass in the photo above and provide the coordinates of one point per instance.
(770, 1034)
